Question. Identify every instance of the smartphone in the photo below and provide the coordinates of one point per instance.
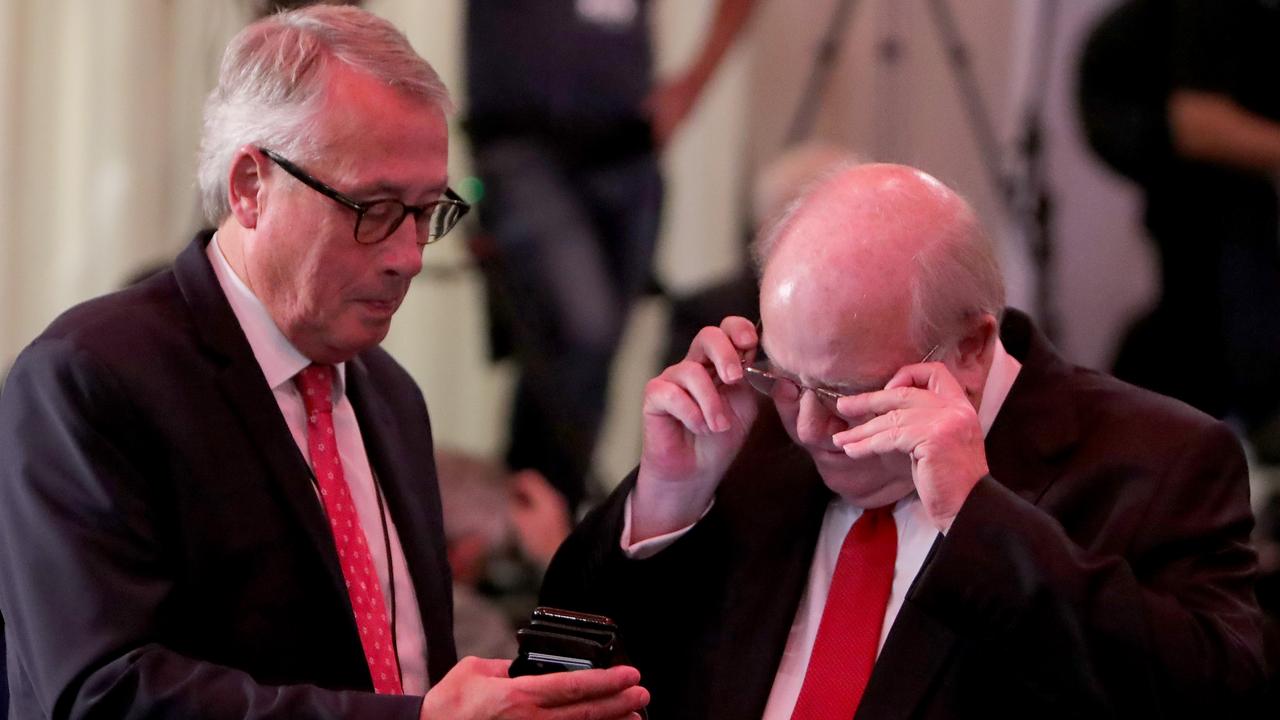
(560, 640)
(563, 640)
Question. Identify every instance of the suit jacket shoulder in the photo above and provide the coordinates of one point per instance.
(1103, 569)
(162, 552)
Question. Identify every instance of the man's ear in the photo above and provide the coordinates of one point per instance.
(974, 352)
(244, 186)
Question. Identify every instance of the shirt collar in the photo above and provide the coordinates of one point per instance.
(277, 357)
(1004, 370)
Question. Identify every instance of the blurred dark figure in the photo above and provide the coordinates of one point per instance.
(1267, 538)
(1182, 97)
(565, 125)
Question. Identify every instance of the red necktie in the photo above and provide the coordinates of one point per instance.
(316, 385)
(845, 648)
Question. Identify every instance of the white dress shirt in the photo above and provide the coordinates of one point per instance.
(280, 362)
(916, 535)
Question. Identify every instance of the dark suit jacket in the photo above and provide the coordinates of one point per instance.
(162, 549)
(1102, 570)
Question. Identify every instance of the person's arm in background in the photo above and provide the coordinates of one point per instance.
(1212, 54)
(1215, 128)
(672, 100)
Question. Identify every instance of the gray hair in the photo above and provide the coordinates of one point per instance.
(272, 82)
(957, 276)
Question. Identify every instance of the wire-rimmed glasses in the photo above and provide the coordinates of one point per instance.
(767, 381)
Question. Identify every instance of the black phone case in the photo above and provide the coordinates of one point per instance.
(558, 640)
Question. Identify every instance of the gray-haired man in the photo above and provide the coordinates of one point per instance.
(217, 495)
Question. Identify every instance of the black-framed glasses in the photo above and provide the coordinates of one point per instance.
(783, 389)
(377, 219)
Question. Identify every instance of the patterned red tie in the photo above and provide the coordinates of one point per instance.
(316, 385)
(845, 649)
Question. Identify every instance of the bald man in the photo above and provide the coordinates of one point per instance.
(891, 498)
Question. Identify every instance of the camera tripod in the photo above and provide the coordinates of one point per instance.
(1020, 186)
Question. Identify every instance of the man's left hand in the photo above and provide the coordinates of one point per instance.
(924, 413)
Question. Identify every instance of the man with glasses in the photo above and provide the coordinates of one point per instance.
(891, 497)
(217, 494)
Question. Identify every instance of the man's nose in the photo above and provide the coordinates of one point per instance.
(813, 421)
(402, 253)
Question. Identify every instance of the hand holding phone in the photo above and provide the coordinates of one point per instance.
(563, 640)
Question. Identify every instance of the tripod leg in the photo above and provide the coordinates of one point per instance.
(823, 65)
(971, 97)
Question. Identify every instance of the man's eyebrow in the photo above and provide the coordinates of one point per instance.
(383, 189)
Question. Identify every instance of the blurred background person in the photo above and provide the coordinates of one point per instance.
(1181, 97)
(565, 125)
(502, 530)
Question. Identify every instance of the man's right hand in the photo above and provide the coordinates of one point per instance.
(696, 416)
(477, 689)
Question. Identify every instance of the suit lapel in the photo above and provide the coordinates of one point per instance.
(915, 651)
(240, 379)
(765, 590)
(1037, 424)
(769, 568)
(403, 483)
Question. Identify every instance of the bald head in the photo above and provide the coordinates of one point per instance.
(872, 245)
(875, 267)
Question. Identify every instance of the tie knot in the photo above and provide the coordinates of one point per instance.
(315, 382)
(878, 514)
(873, 523)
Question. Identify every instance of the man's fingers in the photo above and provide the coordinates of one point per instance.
(880, 402)
(568, 688)
(664, 397)
(621, 705)
(695, 381)
(881, 443)
(487, 667)
(741, 331)
(687, 392)
(724, 349)
(894, 421)
(932, 376)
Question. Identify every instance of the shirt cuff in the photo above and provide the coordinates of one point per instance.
(654, 545)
